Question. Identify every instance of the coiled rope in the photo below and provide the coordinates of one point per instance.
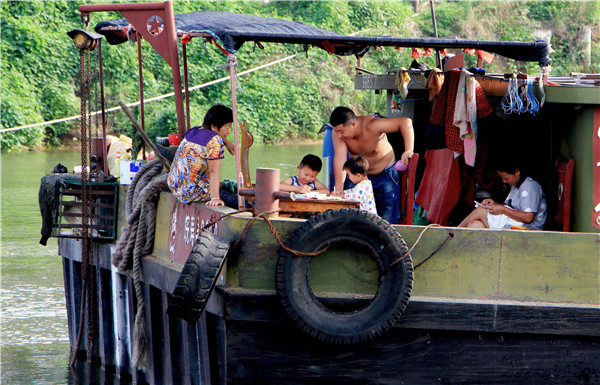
(136, 241)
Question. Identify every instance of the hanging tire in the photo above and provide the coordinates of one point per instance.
(198, 277)
(394, 287)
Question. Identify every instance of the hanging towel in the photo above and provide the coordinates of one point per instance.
(434, 82)
(443, 111)
(402, 82)
(465, 115)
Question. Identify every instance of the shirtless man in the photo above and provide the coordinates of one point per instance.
(366, 136)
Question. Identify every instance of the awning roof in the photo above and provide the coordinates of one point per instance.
(231, 31)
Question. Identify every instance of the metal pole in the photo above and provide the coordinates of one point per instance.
(102, 107)
(142, 120)
(438, 56)
(187, 88)
(232, 64)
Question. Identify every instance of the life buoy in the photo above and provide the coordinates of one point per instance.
(394, 286)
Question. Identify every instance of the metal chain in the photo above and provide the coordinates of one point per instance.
(86, 125)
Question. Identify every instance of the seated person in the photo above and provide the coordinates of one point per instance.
(306, 181)
(525, 204)
(357, 168)
(195, 172)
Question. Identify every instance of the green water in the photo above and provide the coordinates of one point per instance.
(34, 332)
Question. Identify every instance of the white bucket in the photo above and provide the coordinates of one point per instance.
(129, 169)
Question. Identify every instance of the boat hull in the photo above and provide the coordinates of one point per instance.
(507, 312)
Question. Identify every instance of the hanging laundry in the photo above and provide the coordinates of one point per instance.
(485, 56)
(417, 53)
(443, 111)
(465, 115)
(402, 82)
(434, 82)
(441, 185)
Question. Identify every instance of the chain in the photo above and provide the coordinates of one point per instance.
(87, 255)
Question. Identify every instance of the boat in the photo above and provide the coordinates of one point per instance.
(215, 295)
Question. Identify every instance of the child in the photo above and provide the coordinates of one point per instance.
(357, 168)
(306, 181)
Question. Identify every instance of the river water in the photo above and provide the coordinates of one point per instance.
(34, 337)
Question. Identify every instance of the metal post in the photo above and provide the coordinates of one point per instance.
(267, 183)
(187, 88)
(142, 120)
(102, 107)
(232, 65)
(438, 56)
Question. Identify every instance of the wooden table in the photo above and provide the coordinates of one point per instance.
(313, 206)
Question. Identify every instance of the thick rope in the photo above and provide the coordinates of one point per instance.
(136, 242)
(140, 205)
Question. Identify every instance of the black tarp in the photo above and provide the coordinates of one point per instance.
(232, 30)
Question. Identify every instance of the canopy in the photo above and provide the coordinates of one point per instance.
(231, 30)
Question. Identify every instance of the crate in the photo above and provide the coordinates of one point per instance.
(103, 204)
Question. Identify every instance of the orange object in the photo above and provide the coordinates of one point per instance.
(518, 228)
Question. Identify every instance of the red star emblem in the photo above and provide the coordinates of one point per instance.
(155, 25)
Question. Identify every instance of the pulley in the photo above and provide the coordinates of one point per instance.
(83, 39)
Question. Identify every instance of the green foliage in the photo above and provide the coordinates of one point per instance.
(40, 65)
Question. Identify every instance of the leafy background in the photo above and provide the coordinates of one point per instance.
(40, 65)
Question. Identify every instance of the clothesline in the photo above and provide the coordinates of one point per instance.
(220, 80)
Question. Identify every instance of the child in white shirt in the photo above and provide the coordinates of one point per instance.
(357, 168)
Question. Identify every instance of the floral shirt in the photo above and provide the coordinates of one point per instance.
(363, 192)
(188, 177)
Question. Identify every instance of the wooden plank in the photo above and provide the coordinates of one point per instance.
(560, 273)
(193, 354)
(76, 290)
(203, 352)
(166, 357)
(105, 321)
(69, 299)
(138, 376)
(149, 373)
(315, 205)
(279, 354)
(183, 357)
(122, 329)
(441, 313)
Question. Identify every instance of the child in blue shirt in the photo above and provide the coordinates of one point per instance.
(306, 181)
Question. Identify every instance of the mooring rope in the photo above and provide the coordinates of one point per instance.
(140, 207)
(450, 235)
(263, 216)
(314, 253)
(136, 241)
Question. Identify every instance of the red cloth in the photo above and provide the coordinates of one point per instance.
(441, 185)
(443, 111)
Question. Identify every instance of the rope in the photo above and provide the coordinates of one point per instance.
(271, 227)
(450, 235)
(136, 241)
(220, 80)
(511, 102)
(140, 209)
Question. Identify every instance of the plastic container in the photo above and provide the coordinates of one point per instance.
(400, 166)
(118, 163)
(129, 169)
(174, 139)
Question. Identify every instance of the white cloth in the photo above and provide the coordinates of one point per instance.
(363, 192)
(465, 115)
